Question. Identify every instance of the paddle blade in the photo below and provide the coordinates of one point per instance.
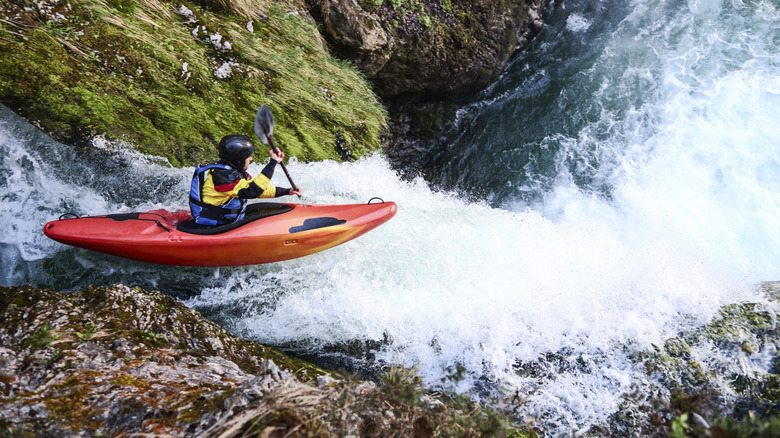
(264, 124)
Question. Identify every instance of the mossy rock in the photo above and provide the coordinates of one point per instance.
(172, 78)
(131, 362)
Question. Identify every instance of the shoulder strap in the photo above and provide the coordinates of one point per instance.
(201, 169)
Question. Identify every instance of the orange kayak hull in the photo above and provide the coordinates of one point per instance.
(153, 236)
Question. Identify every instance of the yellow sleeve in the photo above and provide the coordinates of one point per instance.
(257, 187)
(264, 183)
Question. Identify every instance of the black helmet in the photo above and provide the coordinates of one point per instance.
(235, 149)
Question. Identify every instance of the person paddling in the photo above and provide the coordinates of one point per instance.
(219, 192)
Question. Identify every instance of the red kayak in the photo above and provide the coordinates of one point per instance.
(271, 232)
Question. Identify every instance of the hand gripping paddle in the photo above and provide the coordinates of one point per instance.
(264, 129)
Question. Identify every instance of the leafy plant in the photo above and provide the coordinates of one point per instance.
(402, 384)
(40, 339)
(751, 425)
(91, 329)
(679, 426)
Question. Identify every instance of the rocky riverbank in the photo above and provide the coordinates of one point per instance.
(116, 361)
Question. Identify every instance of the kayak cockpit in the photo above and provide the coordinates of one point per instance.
(254, 212)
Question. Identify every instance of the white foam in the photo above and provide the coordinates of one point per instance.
(44, 179)
(32, 191)
(577, 23)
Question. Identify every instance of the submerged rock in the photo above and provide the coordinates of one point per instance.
(711, 381)
(117, 360)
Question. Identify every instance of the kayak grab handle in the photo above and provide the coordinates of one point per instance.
(376, 197)
(123, 217)
(64, 215)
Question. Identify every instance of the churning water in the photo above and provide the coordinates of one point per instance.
(627, 172)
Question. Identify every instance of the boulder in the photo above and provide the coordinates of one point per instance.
(430, 49)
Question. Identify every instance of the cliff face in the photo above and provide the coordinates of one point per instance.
(420, 55)
(173, 77)
(432, 49)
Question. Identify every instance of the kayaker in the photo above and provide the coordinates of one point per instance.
(219, 192)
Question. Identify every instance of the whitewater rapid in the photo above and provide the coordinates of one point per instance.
(658, 209)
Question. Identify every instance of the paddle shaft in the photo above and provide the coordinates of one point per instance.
(284, 168)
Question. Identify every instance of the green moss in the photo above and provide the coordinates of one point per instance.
(89, 330)
(100, 72)
(127, 380)
(751, 425)
(735, 320)
(303, 370)
(71, 406)
(676, 347)
(12, 297)
(150, 339)
(745, 327)
(199, 402)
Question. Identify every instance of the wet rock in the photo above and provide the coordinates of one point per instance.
(422, 55)
(428, 47)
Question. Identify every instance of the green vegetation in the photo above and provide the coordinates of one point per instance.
(750, 425)
(40, 339)
(173, 78)
(150, 339)
(679, 425)
(71, 407)
(89, 330)
(694, 396)
(414, 9)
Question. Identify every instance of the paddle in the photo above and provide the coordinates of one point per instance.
(264, 129)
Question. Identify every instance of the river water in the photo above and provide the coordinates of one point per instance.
(615, 187)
